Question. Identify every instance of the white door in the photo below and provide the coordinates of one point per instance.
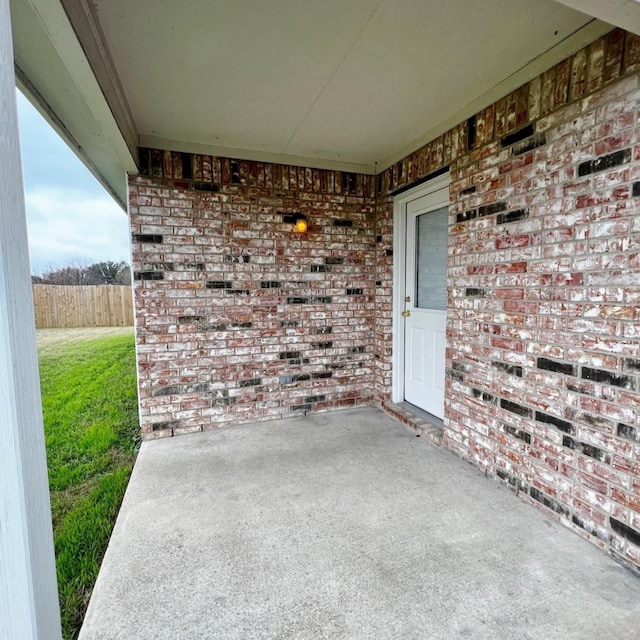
(425, 302)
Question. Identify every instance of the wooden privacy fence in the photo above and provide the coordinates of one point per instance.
(61, 306)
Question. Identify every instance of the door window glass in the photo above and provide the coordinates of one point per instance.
(431, 259)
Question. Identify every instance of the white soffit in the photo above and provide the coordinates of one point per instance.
(328, 83)
(53, 72)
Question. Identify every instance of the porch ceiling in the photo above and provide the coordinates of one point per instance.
(348, 85)
(349, 82)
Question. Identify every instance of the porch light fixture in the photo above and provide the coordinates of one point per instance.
(299, 222)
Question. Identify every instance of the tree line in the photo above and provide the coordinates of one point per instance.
(76, 272)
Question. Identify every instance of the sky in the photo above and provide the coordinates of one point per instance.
(71, 219)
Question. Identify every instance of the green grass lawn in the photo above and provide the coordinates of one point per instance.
(91, 424)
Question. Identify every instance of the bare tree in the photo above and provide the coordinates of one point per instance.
(78, 271)
(73, 272)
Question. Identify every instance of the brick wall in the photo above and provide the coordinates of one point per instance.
(544, 318)
(238, 318)
(543, 349)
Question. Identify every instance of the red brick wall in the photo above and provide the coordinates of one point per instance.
(544, 318)
(543, 381)
(237, 317)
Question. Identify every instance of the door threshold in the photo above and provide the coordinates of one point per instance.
(424, 415)
(423, 423)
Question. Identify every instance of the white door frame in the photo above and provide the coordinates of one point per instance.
(399, 276)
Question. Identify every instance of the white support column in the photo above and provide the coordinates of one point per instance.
(28, 591)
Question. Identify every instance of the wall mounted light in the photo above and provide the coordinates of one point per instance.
(299, 222)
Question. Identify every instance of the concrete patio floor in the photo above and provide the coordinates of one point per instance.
(343, 525)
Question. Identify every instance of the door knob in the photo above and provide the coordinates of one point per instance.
(406, 314)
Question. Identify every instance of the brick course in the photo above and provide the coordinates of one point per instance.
(239, 319)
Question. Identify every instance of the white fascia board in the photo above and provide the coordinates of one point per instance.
(55, 75)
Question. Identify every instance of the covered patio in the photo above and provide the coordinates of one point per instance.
(343, 525)
(468, 176)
